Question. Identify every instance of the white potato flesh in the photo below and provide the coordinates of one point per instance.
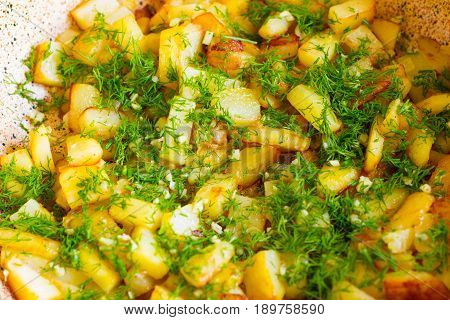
(47, 63)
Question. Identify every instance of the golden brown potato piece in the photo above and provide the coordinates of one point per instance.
(285, 47)
(413, 285)
(229, 56)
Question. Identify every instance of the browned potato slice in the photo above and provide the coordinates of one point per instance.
(415, 286)
(229, 56)
(215, 193)
(436, 104)
(285, 139)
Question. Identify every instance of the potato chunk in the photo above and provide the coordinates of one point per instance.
(375, 144)
(84, 14)
(286, 139)
(100, 270)
(344, 290)
(252, 162)
(82, 97)
(134, 212)
(391, 122)
(67, 38)
(388, 32)
(29, 243)
(87, 184)
(210, 23)
(19, 160)
(128, 32)
(317, 49)
(31, 208)
(148, 255)
(247, 217)
(350, 14)
(20, 163)
(83, 151)
(202, 267)
(48, 59)
(26, 281)
(363, 37)
(178, 132)
(262, 278)
(436, 104)
(419, 147)
(285, 47)
(178, 45)
(414, 286)
(240, 104)
(215, 193)
(336, 179)
(276, 25)
(150, 43)
(229, 56)
(40, 150)
(314, 107)
(102, 123)
(162, 293)
(92, 47)
(440, 179)
(409, 213)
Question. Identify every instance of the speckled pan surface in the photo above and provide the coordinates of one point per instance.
(23, 23)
